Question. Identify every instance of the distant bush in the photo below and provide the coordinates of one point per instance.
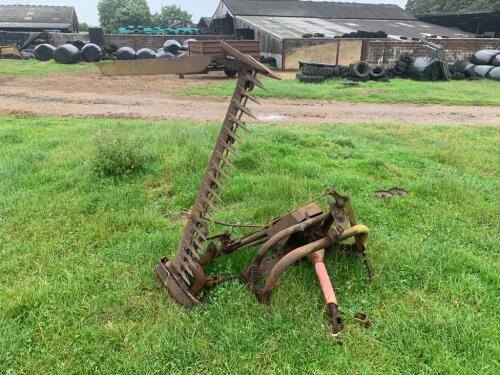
(117, 155)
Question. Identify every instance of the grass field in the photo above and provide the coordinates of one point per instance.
(34, 68)
(480, 93)
(78, 251)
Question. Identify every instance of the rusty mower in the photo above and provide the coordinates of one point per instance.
(306, 232)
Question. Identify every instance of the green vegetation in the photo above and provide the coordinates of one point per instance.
(436, 6)
(483, 93)
(34, 68)
(78, 251)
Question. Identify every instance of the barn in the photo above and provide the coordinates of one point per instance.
(287, 28)
(486, 23)
(38, 18)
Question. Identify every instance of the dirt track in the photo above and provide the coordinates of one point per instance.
(154, 98)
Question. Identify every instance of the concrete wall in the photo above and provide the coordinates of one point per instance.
(326, 51)
(58, 39)
(386, 52)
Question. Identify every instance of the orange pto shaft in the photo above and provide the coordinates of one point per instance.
(317, 259)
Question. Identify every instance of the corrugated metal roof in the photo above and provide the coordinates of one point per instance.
(293, 27)
(316, 9)
(37, 17)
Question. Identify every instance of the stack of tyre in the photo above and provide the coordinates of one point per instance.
(69, 53)
(401, 67)
(170, 49)
(360, 72)
(483, 64)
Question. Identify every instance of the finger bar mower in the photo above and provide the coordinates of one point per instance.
(304, 233)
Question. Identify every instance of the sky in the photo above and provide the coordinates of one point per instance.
(87, 9)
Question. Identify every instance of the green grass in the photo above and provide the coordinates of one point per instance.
(78, 294)
(34, 68)
(481, 93)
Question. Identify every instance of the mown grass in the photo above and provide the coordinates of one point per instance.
(34, 68)
(78, 294)
(480, 93)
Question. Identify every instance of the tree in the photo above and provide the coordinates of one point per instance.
(84, 27)
(433, 6)
(171, 14)
(135, 12)
(116, 13)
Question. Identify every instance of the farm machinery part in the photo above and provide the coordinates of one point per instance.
(304, 233)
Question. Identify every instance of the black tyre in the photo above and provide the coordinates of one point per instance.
(307, 36)
(406, 59)
(318, 71)
(309, 79)
(360, 70)
(403, 65)
(377, 72)
(230, 73)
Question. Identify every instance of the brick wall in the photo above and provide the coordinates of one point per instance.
(386, 52)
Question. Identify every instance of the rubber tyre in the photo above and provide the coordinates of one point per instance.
(406, 59)
(377, 72)
(360, 70)
(230, 73)
(309, 79)
(403, 65)
(318, 71)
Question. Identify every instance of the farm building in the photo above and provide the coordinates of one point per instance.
(38, 18)
(285, 27)
(482, 23)
(205, 23)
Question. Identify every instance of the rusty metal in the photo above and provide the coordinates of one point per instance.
(363, 319)
(177, 65)
(204, 57)
(305, 232)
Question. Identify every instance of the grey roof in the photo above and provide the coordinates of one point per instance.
(37, 17)
(206, 20)
(293, 27)
(316, 9)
